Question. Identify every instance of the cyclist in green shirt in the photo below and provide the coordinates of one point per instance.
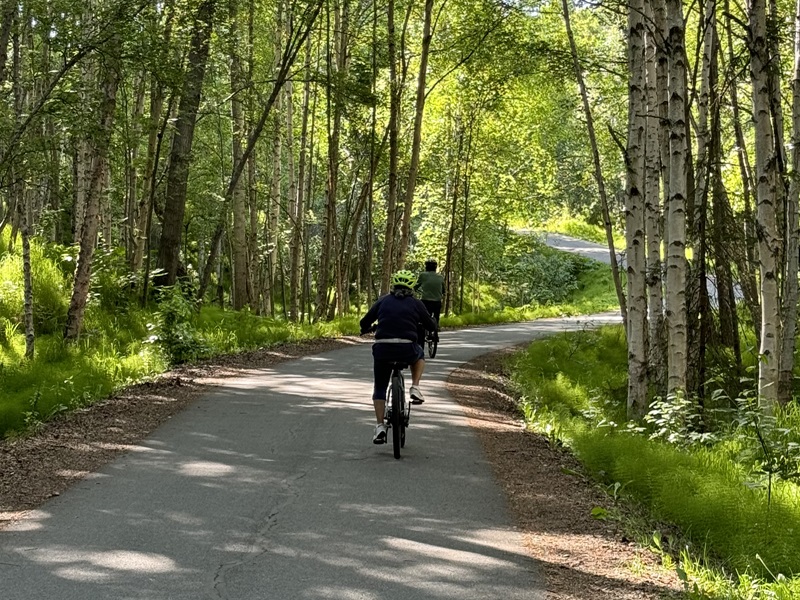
(430, 285)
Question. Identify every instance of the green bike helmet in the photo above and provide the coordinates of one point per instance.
(404, 279)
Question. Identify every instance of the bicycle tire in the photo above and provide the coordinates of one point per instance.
(398, 422)
(433, 345)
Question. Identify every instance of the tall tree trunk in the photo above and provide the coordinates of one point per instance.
(419, 109)
(451, 234)
(180, 153)
(657, 354)
(238, 238)
(391, 193)
(30, 336)
(83, 268)
(747, 278)
(132, 143)
(676, 224)
(634, 215)
(298, 224)
(790, 291)
(769, 241)
(699, 306)
(598, 170)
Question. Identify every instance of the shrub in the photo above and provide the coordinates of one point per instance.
(176, 333)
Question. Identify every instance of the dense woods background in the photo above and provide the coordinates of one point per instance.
(286, 157)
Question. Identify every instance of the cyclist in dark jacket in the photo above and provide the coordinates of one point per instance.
(398, 314)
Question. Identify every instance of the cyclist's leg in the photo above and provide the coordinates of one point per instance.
(430, 306)
(417, 365)
(417, 369)
(436, 311)
(382, 374)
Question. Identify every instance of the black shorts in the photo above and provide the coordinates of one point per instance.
(385, 354)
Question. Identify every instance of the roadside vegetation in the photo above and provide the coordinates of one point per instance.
(123, 343)
(725, 474)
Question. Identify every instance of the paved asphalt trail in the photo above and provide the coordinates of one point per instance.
(270, 488)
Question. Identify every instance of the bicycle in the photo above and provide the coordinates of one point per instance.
(398, 411)
(432, 341)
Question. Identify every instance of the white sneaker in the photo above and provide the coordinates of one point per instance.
(380, 434)
(416, 395)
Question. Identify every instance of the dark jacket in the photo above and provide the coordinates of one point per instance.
(397, 318)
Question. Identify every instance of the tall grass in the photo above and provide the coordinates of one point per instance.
(574, 387)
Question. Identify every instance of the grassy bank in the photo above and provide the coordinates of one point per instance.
(740, 525)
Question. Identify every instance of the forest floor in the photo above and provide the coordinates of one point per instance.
(583, 558)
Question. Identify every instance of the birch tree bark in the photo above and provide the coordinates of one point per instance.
(329, 259)
(27, 279)
(675, 288)
(155, 128)
(790, 284)
(298, 225)
(241, 270)
(766, 217)
(657, 358)
(419, 110)
(391, 193)
(634, 215)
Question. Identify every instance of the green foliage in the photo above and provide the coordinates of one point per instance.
(177, 334)
(50, 299)
(112, 282)
(678, 420)
(732, 489)
(66, 375)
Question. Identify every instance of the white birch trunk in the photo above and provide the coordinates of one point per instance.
(766, 217)
(652, 206)
(675, 288)
(241, 275)
(83, 268)
(634, 215)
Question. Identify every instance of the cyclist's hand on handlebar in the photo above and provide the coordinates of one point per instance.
(370, 329)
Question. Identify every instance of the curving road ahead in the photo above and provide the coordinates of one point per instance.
(270, 488)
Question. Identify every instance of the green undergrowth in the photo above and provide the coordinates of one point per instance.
(740, 532)
(122, 344)
(114, 353)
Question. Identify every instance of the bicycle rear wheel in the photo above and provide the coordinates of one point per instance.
(398, 420)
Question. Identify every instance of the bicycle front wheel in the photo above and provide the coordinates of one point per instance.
(433, 345)
(398, 422)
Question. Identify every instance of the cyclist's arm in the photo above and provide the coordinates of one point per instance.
(426, 319)
(368, 319)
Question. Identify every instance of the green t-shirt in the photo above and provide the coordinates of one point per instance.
(431, 286)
